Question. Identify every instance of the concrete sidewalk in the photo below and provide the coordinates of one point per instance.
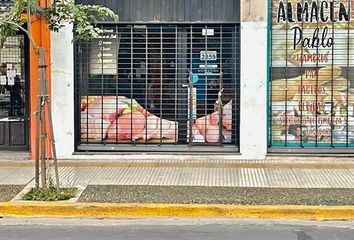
(314, 181)
(276, 172)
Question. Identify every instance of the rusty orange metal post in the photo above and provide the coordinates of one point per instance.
(41, 36)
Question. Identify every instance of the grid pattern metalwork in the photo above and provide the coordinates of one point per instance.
(12, 78)
(311, 75)
(140, 83)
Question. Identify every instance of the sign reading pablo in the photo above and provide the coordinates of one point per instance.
(312, 73)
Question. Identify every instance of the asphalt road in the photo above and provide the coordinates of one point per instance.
(178, 229)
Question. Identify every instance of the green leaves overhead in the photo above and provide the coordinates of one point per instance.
(83, 17)
(11, 19)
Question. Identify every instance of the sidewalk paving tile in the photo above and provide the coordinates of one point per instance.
(5, 172)
(281, 178)
(253, 177)
(21, 176)
(16, 176)
(164, 176)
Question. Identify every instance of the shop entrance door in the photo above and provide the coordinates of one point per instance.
(13, 97)
(205, 109)
(207, 120)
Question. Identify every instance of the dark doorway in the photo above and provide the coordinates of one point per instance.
(13, 94)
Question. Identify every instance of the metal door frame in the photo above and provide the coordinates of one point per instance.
(220, 105)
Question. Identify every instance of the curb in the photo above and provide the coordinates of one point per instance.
(112, 210)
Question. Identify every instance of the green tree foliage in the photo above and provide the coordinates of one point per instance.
(83, 17)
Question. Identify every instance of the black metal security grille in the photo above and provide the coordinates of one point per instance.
(13, 93)
(311, 75)
(140, 84)
(12, 78)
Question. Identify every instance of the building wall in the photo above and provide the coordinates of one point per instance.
(63, 91)
(253, 122)
(253, 126)
(254, 10)
(253, 115)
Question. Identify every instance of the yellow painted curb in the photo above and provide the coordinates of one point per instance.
(55, 209)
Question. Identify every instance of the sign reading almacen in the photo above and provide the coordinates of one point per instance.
(316, 11)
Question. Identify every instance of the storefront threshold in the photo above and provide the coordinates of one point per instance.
(312, 151)
(176, 149)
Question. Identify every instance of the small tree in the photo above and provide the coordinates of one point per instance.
(84, 19)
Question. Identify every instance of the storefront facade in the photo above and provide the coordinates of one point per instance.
(285, 69)
(311, 77)
(165, 68)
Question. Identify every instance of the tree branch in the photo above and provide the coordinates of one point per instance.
(25, 31)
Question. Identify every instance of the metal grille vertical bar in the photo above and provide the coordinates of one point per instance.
(102, 89)
(78, 93)
(206, 83)
(270, 114)
(347, 75)
(332, 73)
(301, 92)
(190, 121)
(221, 48)
(146, 80)
(220, 110)
(117, 81)
(221, 83)
(23, 108)
(87, 93)
(286, 79)
(316, 108)
(131, 82)
(161, 83)
(176, 81)
(237, 87)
